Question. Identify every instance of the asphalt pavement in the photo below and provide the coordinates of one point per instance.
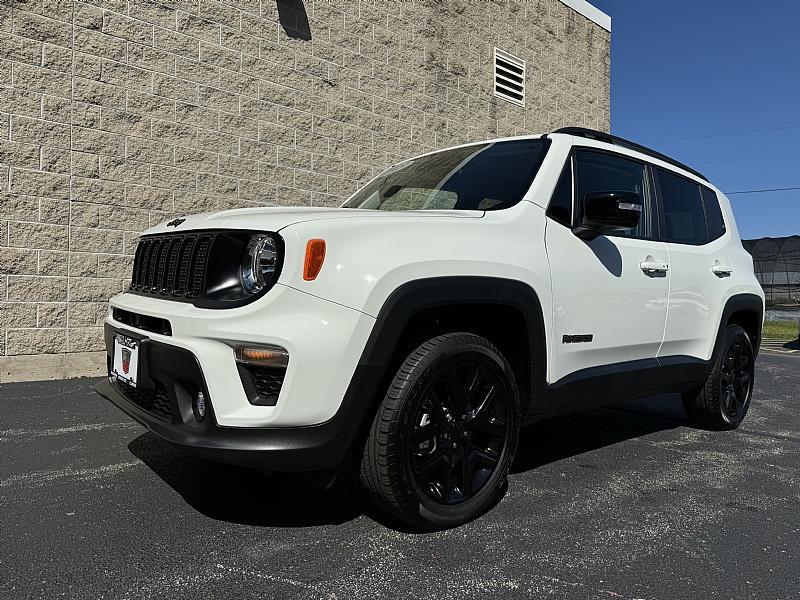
(626, 502)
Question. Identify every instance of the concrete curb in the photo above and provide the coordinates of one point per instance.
(40, 367)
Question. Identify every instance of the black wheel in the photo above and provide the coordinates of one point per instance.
(722, 402)
(445, 434)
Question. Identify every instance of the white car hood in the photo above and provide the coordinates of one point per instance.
(276, 218)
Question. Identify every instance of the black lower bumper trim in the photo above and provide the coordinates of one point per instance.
(310, 448)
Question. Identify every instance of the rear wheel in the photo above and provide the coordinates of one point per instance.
(722, 402)
(444, 436)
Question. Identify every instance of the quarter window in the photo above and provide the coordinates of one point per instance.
(602, 172)
(714, 220)
(560, 207)
(684, 216)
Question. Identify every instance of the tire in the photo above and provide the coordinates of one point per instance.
(417, 436)
(721, 403)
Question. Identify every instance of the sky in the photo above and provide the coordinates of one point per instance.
(695, 79)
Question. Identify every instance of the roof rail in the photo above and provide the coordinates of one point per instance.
(623, 143)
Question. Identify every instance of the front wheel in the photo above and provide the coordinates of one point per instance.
(723, 400)
(445, 434)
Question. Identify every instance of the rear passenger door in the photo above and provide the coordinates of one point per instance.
(608, 307)
(694, 232)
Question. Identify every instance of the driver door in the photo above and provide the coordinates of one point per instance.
(608, 308)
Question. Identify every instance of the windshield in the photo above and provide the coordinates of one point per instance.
(489, 176)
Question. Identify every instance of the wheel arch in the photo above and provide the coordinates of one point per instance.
(449, 299)
(747, 311)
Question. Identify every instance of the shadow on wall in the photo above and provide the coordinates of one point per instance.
(294, 20)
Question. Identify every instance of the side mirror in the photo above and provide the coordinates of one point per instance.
(606, 212)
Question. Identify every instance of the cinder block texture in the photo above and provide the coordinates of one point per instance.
(118, 114)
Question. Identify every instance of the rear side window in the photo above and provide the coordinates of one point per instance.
(684, 217)
(714, 220)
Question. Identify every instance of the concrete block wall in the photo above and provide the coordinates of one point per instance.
(118, 114)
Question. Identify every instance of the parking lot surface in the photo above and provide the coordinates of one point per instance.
(626, 502)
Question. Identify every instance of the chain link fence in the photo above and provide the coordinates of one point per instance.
(777, 266)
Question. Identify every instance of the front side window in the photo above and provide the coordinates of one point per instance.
(489, 176)
(684, 217)
(603, 172)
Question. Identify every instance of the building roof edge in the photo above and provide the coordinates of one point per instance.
(591, 12)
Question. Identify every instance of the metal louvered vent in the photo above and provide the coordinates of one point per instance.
(509, 77)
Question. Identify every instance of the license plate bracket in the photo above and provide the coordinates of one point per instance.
(125, 360)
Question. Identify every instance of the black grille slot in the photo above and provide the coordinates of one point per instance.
(152, 264)
(146, 322)
(173, 265)
(144, 250)
(156, 400)
(161, 269)
(137, 266)
(199, 267)
(184, 262)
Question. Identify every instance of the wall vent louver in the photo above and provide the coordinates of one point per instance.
(509, 77)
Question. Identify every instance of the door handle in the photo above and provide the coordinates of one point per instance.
(652, 266)
(721, 270)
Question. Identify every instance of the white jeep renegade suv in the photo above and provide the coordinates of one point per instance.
(456, 297)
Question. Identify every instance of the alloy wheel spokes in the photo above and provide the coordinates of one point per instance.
(456, 392)
(735, 379)
(423, 434)
(433, 467)
(744, 384)
(458, 432)
(729, 398)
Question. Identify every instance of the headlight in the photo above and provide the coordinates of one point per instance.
(259, 263)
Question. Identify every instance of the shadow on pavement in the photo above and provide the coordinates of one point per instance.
(249, 497)
(563, 437)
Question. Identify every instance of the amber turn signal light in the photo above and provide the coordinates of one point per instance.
(264, 356)
(315, 256)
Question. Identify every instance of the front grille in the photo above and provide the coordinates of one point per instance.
(156, 401)
(171, 265)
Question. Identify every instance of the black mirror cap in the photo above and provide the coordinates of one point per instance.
(606, 212)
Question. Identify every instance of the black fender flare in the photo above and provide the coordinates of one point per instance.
(415, 296)
(740, 303)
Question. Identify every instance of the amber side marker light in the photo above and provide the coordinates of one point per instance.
(264, 356)
(315, 256)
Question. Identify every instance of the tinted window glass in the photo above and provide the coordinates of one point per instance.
(560, 207)
(600, 172)
(716, 225)
(684, 218)
(478, 177)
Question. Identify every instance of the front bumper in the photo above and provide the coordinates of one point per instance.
(174, 374)
(320, 407)
(324, 341)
